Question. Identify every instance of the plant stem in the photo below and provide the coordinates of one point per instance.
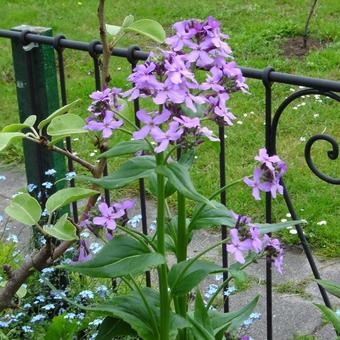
(305, 33)
(162, 270)
(181, 253)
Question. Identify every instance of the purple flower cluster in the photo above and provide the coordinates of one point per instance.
(169, 78)
(246, 237)
(110, 214)
(105, 105)
(267, 177)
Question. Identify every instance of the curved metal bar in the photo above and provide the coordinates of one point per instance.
(332, 154)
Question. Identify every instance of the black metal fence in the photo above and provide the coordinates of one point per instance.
(268, 76)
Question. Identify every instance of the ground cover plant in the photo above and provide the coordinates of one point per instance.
(188, 84)
(257, 43)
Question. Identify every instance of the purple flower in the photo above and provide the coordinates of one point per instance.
(183, 37)
(150, 120)
(164, 138)
(84, 253)
(124, 205)
(255, 240)
(264, 158)
(106, 126)
(255, 183)
(237, 247)
(108, 216)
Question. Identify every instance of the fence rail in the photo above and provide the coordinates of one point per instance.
(268, 76)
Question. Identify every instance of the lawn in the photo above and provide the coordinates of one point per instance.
(257, 31)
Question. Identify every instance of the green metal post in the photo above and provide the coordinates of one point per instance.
(37, 93)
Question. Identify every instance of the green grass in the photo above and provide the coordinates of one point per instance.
(257, 28)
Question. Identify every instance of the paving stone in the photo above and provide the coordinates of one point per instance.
(292, 315)
(327, 272)
(325, 333)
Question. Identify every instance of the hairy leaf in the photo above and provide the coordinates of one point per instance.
(29, 122)
(121, 256)
(183, 278)
(133, 169)
(124, 148)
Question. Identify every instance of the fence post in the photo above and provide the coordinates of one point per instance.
(37, 93)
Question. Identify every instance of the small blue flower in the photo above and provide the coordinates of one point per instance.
(44, 213)
(230, 291)
(153, 225)
(58, 295)
(50, 172)
(95, 322)
(27, 306)
(337, 312)
(95, 247)
(134, 221)
(47, 185)
(2, 178)
(4, 324)
(27, 329)
(31, 187)
(85, 234)
(219, 277)
(47, 270)
(86, 294)
(212, 288)
(39, 299)
(102, 291)
(37, 318)
(13, 238)
(70, 316)
(49, 306)
(70, 175)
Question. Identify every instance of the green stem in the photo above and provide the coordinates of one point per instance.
(138, 236)
(182, 244)
(162, 270)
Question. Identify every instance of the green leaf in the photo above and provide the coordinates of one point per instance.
(182, 279)
(7, 138)
(62, 329)
(121, 256)
(274, 227)
(112, 327)
(198, 330)
(210, 216)
(131, 309)
(62, 230)
(330, 286)
(57, 113)
(113, 29)
(201, 314)
(29, 122)
(149, 28)
(133, 169)
(221, 322)
(66, 125)
(128, 20)
(66, 196)
(330, 315)
(22, 291)
(179, 177)
(125, 148)
(25, 209)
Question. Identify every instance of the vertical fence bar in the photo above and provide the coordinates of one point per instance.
(223, 200)
(62, 82)
(268, 122)
(142, 198)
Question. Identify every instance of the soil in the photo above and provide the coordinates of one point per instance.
(293, 47)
